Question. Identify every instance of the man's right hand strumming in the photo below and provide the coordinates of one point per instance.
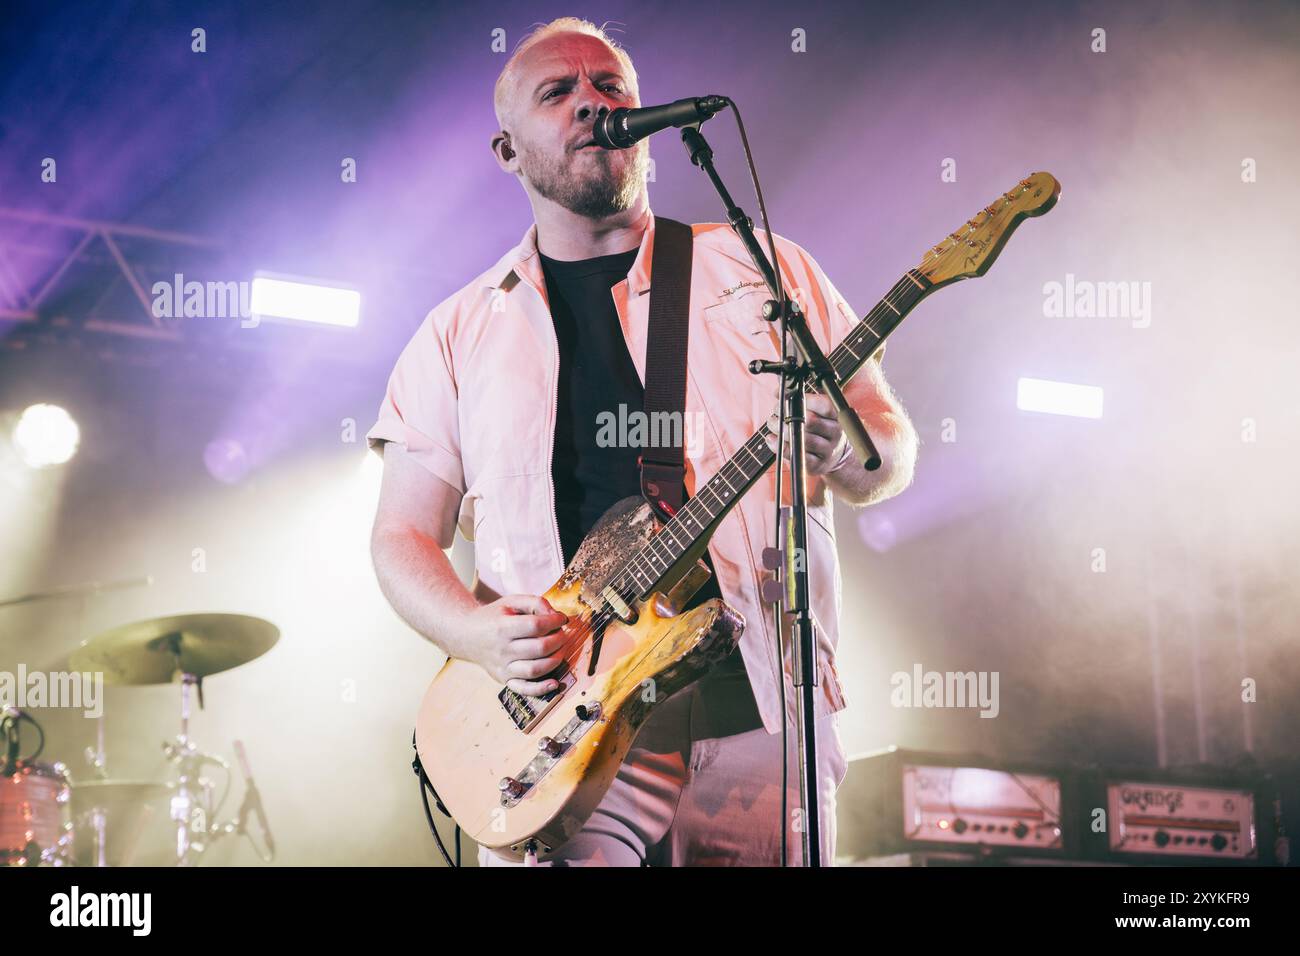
(518, 640)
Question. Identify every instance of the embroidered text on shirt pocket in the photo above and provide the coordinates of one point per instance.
(742, 311)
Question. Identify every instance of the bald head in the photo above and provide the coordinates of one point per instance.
(548, 99)
(543, 49)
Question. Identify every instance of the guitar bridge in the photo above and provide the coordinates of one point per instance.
(526, 710)
(551, 752)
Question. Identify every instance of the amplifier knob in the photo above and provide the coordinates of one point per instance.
(1161, 838)
(1020, 830)
(1219, 841)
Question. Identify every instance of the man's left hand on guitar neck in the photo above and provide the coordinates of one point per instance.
(829, 454)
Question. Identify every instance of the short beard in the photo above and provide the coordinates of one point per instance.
(594, 194)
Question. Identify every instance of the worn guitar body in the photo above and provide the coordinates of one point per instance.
(557, 756)
(516, 771)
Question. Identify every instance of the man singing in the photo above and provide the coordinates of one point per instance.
(491, 424)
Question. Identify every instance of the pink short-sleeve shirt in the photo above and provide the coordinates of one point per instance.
(473, 398)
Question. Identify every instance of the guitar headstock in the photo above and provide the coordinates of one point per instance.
(970, 250)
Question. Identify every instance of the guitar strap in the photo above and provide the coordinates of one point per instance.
(663, 467)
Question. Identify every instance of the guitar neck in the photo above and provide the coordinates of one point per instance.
(963, 254)
(868, 335)
(695, 521)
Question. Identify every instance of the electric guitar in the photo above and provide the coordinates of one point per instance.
(521, 773)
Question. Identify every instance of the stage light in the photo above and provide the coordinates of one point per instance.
(1058, 398)
(877, 531)
(46, 435)
(226, 460)
(278, 298)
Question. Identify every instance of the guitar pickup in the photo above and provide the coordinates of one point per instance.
(526, 710)
(622, 610)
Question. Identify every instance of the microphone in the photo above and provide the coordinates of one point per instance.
(624, 127)
(253, 797)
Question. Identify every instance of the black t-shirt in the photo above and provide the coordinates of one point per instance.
(597, 375)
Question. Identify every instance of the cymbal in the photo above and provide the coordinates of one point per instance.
(158, 650)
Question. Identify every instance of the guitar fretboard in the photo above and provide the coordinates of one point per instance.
(644, 570)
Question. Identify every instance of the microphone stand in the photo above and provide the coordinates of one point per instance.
(805, 366)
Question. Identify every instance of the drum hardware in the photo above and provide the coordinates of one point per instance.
(95, 755)
(252, 804)
(98, 819)
(109, 818)
(77, 590)
(184, 649)
(111, 814)
(192, 810)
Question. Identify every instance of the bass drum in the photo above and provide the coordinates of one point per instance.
(34, 827)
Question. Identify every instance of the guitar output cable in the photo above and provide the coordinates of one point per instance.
(426, 788)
